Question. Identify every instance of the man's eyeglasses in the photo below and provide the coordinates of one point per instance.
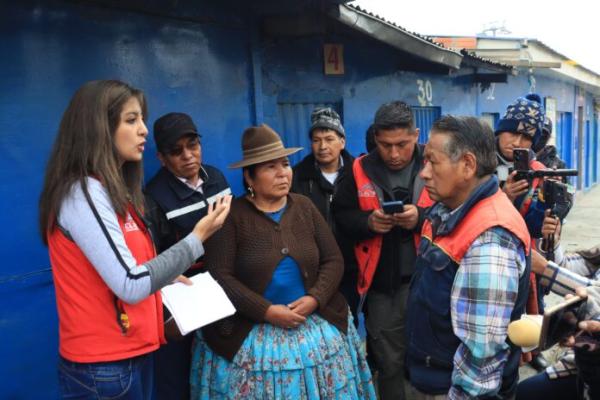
(192, 145)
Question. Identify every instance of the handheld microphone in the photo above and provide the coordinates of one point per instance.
(525, 332)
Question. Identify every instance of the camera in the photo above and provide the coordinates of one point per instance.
(557, 198)
(521, 165)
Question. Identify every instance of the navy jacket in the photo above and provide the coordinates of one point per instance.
(173, 209)
(431, 341)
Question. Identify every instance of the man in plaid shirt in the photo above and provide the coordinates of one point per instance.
(472, 271)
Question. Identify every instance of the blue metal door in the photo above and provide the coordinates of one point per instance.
(587, 161)
(424, 119)
(595, 149)
(564, 138)
(294, 122)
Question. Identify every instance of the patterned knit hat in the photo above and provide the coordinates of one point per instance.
(326, 118)
(525, 116)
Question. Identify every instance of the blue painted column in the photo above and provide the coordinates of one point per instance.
(256, 65)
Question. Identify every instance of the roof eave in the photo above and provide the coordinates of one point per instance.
(396, 37)
(472, 60)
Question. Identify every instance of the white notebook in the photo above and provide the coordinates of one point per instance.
(194, 306)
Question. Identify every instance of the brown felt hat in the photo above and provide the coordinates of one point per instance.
(261, 144)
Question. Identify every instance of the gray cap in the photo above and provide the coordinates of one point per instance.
(326, 118)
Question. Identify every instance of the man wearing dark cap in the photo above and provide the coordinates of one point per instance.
(319, 175)
(384, 243)
(177, 197)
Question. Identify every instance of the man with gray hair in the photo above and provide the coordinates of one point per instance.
(472, 272)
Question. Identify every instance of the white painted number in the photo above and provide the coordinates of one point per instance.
(425, 96)
(491, 92)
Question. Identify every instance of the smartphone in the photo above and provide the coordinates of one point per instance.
(560, 321)
(521, 159)
(393, 207)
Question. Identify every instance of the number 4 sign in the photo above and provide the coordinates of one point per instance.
(334, 59)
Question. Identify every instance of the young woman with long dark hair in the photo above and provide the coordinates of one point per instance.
(106, 272)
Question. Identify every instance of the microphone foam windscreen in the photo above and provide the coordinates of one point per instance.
(524, 332)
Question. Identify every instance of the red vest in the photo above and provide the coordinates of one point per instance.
(496, 210)
(368, 251)
(94, 325)
(536, 166)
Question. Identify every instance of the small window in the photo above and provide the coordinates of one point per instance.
(424, 119)
(491, 119)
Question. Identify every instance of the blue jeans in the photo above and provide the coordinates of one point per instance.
(130, 379)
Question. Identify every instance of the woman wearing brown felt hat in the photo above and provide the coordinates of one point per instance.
(280, 265)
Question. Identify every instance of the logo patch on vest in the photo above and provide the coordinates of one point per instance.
(367, 190)
(130, 225)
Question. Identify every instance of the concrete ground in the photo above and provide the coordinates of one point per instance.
(581, 230)
(582, 227)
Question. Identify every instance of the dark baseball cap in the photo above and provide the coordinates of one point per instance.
(169, 128)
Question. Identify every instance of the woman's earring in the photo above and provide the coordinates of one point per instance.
(251, 191)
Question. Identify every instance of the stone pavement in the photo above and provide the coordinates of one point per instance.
(581, 230)
(582, 227)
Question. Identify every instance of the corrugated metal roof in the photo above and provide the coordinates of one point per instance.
(493, 64)
(396, 36)
(376, 16)
(427, 40)
(471, 41)
(532, 40)
(568, 59)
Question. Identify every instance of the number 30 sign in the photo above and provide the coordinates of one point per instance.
(334, 59)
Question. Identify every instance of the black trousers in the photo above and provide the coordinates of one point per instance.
(172, 369)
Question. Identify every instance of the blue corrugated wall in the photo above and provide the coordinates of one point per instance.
(293, 73)
(206, 66)
(201, 69)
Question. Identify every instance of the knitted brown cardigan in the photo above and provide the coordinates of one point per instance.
(242, 257)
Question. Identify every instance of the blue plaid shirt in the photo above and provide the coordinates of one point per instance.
(483, 296)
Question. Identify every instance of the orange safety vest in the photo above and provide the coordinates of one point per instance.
(94, 325)
(495, 210)
(432, 342)
(368, 251)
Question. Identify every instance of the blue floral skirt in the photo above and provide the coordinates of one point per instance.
(313, 361)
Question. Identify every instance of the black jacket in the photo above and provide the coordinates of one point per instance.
(309, 181)
(398, 254)
(173, 209)
(549, 157)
